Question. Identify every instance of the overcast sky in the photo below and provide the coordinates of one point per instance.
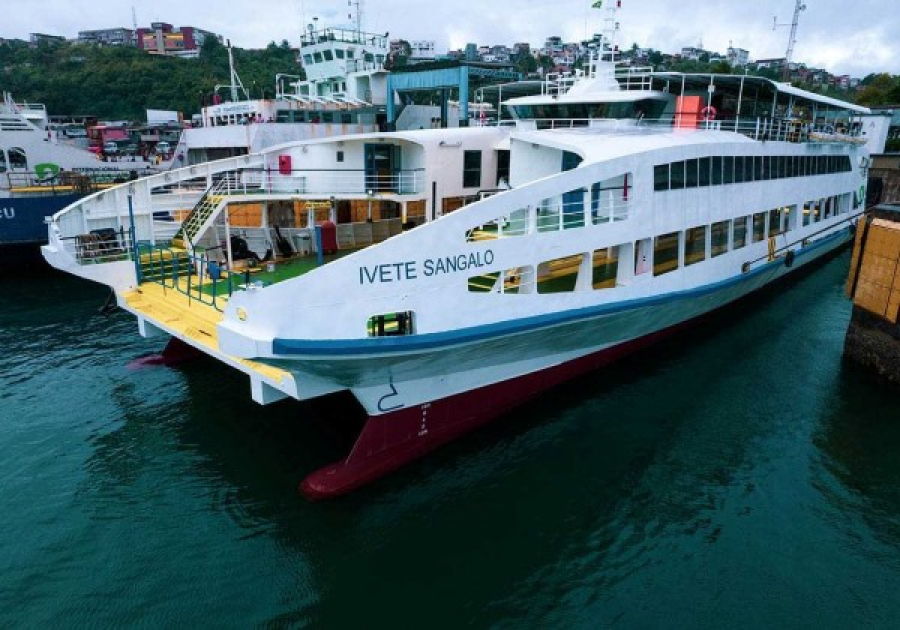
(854, 38)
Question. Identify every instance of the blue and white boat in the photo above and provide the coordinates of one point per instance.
(442, 277)
(41, 173)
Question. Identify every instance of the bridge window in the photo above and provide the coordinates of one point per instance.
(471, 169)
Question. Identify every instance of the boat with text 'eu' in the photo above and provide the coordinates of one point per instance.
(443, 276)
(41, 173)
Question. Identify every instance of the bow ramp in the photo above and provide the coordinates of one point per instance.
(166, 311)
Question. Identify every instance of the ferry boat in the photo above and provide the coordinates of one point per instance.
(443, 277)
(344, 91)
(40, 174)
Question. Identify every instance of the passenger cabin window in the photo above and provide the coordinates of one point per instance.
(759, 226)
(719, 238)
(3, 167)
(695, 245)
(559, 275)
(665, 253)
(606, 268)
(18, 159)
(739, 239)
(391, 324)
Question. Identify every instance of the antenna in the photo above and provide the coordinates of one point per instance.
(610, 27)
(134, 18)
(798, 7)
(360, 9)
(235, 79)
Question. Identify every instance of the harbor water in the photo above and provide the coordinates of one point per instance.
(742, 475)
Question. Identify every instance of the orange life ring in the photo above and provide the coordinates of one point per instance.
(708, 113)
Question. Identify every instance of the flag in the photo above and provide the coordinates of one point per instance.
(597, 4)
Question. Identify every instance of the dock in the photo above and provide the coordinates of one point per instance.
(873, 336)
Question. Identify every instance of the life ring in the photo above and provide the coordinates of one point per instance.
(708, 113)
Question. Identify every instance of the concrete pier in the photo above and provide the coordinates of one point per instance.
(873, 337)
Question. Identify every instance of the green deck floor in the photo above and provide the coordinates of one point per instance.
(284, 270)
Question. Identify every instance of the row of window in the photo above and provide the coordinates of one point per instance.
(290, 116)
(339, 53)
(661, 254)
(719, 170)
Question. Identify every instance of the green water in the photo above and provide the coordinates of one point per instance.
(740, 477)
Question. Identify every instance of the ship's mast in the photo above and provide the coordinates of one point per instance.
(610, 28)
(235, 79)
(798, 7)
(359, 5)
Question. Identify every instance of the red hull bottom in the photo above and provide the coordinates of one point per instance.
(175, 353)
(389, 441)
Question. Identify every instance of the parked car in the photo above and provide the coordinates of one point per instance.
(163, 148)
(110, 148)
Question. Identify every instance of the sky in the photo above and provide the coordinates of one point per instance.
(855, 38)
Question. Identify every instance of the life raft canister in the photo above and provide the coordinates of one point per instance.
(708, 113)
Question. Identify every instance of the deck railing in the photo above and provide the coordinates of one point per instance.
(553, 216)
(99, 246)
(81, 180)
(328, 182)
(197, 276)
(769, 129)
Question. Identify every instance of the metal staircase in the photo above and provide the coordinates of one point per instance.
(204, 213)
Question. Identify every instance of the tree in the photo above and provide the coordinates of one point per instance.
(881, 89)
(525, 63)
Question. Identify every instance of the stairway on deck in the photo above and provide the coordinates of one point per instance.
(191, 320)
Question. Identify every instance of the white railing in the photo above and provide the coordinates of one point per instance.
(769, 129)
(607, 206)
(345, 182)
